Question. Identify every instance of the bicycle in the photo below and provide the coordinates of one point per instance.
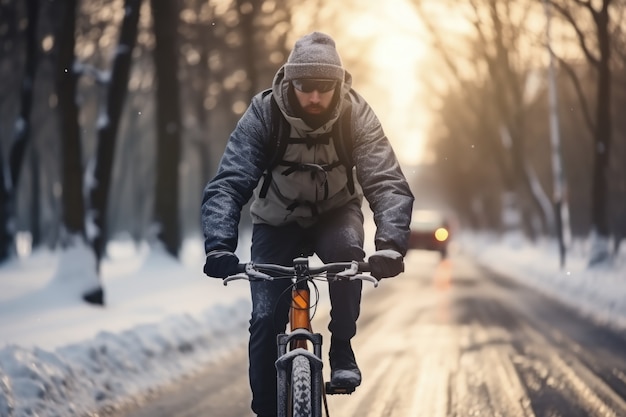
(301, 389)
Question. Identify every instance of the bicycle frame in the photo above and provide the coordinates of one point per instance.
(294, 353)
(300, 335)
(299, 315)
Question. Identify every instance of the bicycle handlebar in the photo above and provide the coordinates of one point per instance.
(339, 270)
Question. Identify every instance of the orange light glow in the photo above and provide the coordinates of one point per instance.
(441, 234)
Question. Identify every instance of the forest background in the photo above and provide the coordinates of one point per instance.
(114, 114)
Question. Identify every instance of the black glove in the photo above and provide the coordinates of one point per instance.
(220, 264)
(386, 263)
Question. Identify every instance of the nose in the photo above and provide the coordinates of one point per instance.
(314, 96)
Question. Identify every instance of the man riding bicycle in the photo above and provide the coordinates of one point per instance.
(306, 200)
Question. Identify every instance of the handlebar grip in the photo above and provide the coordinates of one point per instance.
(241, 268)
(364, 267)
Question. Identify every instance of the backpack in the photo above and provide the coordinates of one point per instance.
(279, 139)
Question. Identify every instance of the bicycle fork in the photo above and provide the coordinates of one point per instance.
(295, 343)
(283, 368)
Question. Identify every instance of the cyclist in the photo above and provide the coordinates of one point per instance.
(305, 204)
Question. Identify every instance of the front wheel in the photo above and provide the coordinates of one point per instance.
(301, 387)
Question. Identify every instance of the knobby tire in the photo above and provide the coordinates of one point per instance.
(301, 387)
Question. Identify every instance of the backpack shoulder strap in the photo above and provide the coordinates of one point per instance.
(344, 140)
(276, 145)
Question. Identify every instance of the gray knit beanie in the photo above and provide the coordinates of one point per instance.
(314, 56)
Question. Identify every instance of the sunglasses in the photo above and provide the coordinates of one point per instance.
(307, 85)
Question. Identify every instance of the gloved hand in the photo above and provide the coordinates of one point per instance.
(386, 263)
(220, 263)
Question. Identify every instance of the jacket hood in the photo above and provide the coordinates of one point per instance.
(280, 90)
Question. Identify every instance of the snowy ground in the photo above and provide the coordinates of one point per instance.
(163, 319)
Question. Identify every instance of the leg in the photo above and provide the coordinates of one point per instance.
(270, 310)
(339, 238)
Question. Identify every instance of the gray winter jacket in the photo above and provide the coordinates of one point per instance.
(245, 160)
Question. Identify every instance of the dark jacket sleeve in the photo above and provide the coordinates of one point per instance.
(239, 171)
(379, 174)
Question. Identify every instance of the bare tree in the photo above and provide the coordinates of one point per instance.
(85, 198)
(165, 16)
(21, 137)
(72, 170)
(499, 70)
(67, 80)
(596, 47)
(100, 170)
(498, 52)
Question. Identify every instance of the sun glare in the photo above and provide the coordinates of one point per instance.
(391, 35)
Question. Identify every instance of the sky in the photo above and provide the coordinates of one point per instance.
(398, 49)
(163, 318)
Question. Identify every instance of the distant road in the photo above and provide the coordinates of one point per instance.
(446, 339)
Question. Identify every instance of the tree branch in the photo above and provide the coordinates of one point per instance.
(579, 34)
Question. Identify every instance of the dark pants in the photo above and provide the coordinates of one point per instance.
(337, 237)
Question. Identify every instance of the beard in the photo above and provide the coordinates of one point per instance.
(315, 120)
(313, 115)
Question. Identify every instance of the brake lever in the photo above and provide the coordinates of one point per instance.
(352, 274)
(363, 277)
(234, 278)
(349, 272)
(250, 274)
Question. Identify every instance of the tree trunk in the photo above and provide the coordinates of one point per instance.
(165, 16)
(21, 135)
(72, 172)
(5, 230)
(602, 141)
(108, 126)
(72, 167)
